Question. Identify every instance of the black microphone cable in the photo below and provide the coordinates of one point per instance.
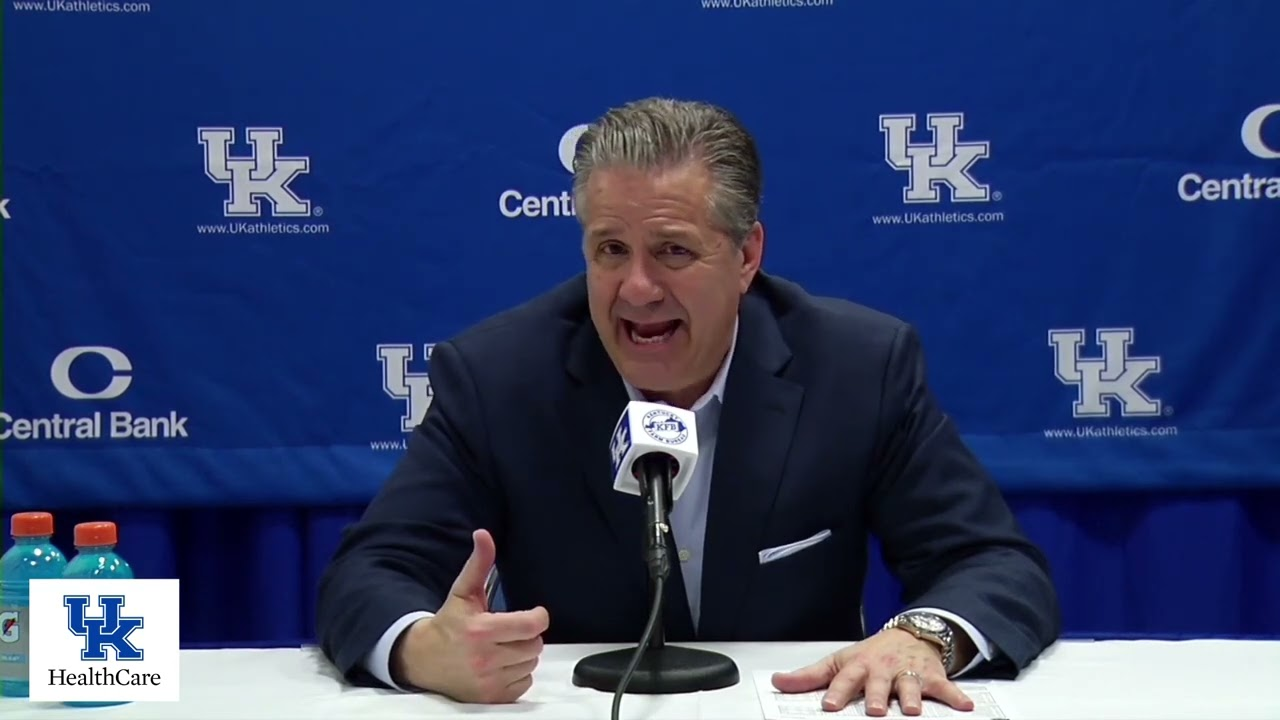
(654, 613)
(656, 480)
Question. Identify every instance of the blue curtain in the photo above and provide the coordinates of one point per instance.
(1164, 565)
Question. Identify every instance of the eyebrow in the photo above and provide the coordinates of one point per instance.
(600, 232)
(672, 234)
(661, 234)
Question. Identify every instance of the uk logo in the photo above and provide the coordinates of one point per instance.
(264, 174)
(89, 640)
(1102, 382)
(411, 388)
(943, 161)
(109, 630)
(621, 443)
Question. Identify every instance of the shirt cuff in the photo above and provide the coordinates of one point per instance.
(980, 641)
(378, 661)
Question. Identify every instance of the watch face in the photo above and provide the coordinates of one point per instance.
(929, 623)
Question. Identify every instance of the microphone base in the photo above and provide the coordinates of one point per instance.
(665, 670)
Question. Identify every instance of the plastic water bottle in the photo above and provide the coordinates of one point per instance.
(32, 557)
(96, 559)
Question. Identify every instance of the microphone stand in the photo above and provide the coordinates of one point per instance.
(653, 667)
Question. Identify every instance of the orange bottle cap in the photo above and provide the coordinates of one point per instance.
(31, 524)
(93, 534)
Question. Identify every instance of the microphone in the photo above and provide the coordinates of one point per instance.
(654, 451)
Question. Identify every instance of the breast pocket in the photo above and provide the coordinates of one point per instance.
(809, 588)
(775, 554)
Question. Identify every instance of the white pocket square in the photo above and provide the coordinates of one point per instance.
(777, 553)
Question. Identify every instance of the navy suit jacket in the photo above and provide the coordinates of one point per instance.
(827, 423)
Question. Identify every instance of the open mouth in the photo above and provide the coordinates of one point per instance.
(650, 333)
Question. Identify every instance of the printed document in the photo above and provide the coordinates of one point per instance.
(987, 704)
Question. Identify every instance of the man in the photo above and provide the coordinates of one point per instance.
(817, 429)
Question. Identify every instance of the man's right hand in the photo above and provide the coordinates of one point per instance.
(466, 652)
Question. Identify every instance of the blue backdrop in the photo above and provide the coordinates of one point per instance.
(232, 231)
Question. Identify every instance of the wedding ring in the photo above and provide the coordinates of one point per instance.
(913, 674)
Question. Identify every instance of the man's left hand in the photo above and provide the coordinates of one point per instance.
(891, 663)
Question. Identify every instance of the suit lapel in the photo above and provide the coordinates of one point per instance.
(757, 420)
(597, 400)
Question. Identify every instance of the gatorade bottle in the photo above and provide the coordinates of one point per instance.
(32, 557)
(96, 558)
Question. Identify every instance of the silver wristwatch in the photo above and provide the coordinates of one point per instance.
(930, 628)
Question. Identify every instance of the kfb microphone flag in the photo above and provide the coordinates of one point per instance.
(647, 428)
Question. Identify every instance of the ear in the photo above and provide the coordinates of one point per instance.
(752, 256)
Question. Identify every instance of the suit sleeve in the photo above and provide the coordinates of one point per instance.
(404, 553)
(945, 530)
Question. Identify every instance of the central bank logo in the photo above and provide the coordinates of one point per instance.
(569, 145)
(104, 640)
(514, 203)
(411, 388)
(121, 367)
(944, 161)
(263, 177)
(1113, 379)
(96, 374)
(111, 629)
(1260, 135)
(1252, 135)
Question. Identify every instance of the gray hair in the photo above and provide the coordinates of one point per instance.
(660, 133)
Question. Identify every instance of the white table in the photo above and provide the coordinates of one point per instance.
(1112, 680)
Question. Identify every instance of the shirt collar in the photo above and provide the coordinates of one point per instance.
(716, 391)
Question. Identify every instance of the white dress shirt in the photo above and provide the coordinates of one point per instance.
(688, 526)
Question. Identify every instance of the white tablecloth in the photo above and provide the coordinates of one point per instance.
(1112, 680)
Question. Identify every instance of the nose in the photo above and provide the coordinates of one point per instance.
(639, 286)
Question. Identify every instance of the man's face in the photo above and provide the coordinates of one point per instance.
(663, 283)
